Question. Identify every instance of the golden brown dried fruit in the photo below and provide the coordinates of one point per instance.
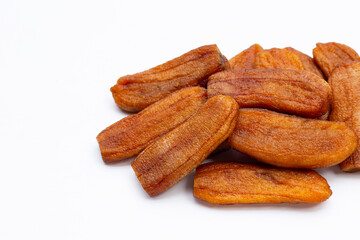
(279, 59)
(345, 84)
(245, 59)
(229, 183)
(330, 55)
(307, 61)
(296, 92)
(176, 154)
(137, 91)
(290, 141)
(129, 136)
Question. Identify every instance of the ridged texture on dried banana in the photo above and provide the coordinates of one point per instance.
(328, 56)
(229, 183)
(290, 91)
(245, 59)
(289, 141)
(172, 157)
(130, 135)
(135, 92)
(345, 84)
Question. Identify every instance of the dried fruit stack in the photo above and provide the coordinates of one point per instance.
(274, 105)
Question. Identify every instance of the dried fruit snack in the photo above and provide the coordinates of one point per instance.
(330, 55)
(131, 135)
(277, 58)
(172, 157)
(135, 92)
(345, 84)
(180, 123)
(289, 91)
(245, 59)
(307, 61)
(230, 183)
(289, 141)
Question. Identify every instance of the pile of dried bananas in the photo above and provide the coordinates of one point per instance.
(279, 106)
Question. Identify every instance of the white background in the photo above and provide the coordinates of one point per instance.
(58, 60)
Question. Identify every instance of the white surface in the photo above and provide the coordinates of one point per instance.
(57, 63)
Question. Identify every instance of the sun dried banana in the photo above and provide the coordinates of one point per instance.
(330, 55)
(246, 59)
(230, 183)
(290, 91)
(136, 92)
(168, 160)
(277, 58)
(130, 135)
(290, 141)
(345, 84)
(307, 61)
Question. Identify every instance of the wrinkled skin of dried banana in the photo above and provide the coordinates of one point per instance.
(230, 183)
(307, 61)
(328, 56)
(129, 136)
(290, 141)
(172, 157)
(135, 92)
(246, 59)
(289, 91)
(345, 84)
(277, 58)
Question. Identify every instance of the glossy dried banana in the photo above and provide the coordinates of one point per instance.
(129, 136)
(290, 141)
(135, 92)
(345, 84)
(330, 55)
(172, 157)
(307, 61)
(230, 183)
(277, 58)
(246, 59)
(290, 91)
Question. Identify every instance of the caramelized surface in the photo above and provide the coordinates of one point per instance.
(330, 55)
(135, 92)
(246, 59)
(290, 141)
(345, 84)
(130, 135)
(172, 157)
(277, 58)
(307, 61)
(289, 91)
(229, 183)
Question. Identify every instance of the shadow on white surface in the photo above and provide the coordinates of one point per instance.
(262, 206)
(182, 188)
